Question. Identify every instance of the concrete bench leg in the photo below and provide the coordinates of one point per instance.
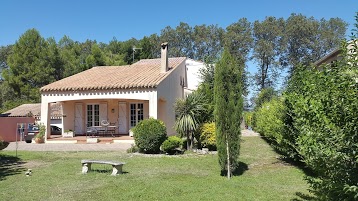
(86, 167)
(117, 169)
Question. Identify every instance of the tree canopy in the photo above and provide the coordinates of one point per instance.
(274, 44)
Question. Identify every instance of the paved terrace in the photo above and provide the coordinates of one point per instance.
(23, 146)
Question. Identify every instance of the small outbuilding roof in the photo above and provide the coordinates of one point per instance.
(33, 109)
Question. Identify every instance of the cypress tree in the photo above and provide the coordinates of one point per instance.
(228, 111)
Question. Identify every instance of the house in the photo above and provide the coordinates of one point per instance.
(21, 117)
(335, 55)
(193, 69)
(119, 95)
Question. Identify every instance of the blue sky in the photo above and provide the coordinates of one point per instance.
(105, 19)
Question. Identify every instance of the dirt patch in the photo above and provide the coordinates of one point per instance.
(34, 164)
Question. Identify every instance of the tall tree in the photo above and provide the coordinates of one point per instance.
(55, 59)
(180, 40)
(148, 47)
(308, 39)
(268, 46)
(30, 66)
(113, 53)
(228, 110)
(96, 57)
(5, 51)
(238, 39)
(206, 88)
(208, 43)
(70, 53)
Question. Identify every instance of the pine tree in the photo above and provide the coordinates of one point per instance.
(30, 66)
(228, 111)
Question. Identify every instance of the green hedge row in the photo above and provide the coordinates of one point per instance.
(316, 122)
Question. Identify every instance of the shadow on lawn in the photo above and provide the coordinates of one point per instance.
(297, 163)
(303, 197)
(10, 165)
(238, 171)
(106, 171)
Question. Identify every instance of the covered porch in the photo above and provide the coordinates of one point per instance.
(106, 114)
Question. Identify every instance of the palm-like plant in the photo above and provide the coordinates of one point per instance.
(188, 112)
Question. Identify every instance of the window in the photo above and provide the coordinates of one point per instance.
(93, 115)
(136, 113)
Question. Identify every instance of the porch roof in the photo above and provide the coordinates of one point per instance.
(142, 74)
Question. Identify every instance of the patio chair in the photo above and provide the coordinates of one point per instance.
(91, 131)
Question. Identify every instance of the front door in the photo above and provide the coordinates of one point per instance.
(122, 119)
(79, 118)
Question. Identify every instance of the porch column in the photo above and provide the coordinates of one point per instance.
(153, 108)
(45, 116)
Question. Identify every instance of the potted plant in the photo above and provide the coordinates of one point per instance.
(68, 133)
(40, 137)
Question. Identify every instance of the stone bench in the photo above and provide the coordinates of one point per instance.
(117, 166)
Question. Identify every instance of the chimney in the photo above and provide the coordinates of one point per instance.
(164, 58)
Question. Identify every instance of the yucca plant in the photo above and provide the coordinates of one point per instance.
(188, 113)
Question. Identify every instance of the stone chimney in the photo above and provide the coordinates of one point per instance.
(164, 58)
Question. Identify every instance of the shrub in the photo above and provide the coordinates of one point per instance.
(269, 120)
(322, 122)
(3, 144)
(248, 119)
(149, 134)
(133, 149)
(208, 136)
(171, 144)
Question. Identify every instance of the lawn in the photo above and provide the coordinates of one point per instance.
(57, 176)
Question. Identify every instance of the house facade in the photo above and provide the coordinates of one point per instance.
(193, 69)
(118, 95)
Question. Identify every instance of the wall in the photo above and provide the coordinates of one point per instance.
(69, 98)
(169, 90)
(69, 110)
(8, 127)
(193, 73)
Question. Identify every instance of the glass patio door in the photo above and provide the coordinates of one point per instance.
(136, 113)
(92, 115)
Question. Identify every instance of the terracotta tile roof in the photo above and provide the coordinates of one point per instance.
(33, 109)
(142, 74)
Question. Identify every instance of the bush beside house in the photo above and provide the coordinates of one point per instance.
(3, 144)
(149, 135)
(172, 145)
(208, 136)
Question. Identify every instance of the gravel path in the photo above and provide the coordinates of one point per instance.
(247, 132)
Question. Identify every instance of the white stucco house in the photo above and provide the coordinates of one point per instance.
(121, 95)
(193, 69)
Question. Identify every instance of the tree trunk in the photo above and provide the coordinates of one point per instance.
(192, 140)
(188, 141)
(228, 159)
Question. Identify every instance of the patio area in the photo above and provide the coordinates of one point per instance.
(116, 138)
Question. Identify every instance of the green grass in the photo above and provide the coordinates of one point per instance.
(57, 176)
